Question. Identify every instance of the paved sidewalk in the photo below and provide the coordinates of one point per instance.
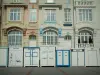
(51, 71)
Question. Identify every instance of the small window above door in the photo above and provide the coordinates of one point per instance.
(67, 37)
(50, 1)
(32, 37)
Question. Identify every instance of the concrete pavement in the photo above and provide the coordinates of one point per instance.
(50, 71)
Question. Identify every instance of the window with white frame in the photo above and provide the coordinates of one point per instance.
(32, 1)
(33, 15)
(50, 38)
(85, 37)
(15, 38)
(15, 14)
(85, 14)
(50, 15)
(50, 1)
(67, 15)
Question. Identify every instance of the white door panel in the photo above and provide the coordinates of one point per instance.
(80, 58)
(35, 57)
(51, 57)
(59, 57)
(27, 57)
(11, 58)
(44, 57)
(92, 58)
(74, 58)
(66, 60)
(19, 58)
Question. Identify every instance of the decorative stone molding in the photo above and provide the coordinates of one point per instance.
(6, 30)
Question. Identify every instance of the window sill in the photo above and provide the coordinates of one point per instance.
(86, 21)
(32, 22)
(50, 3)
(15, 21)
(50, 22)
(32, 2)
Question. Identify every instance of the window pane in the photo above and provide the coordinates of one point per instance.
(33, 15)
(50, 1)
(33, 1)
(51, 39)
(11, 16)
(15, 14)
(85, 14)
(15, 39)
(50, 15)
(67, 15)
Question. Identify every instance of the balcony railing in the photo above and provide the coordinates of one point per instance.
(48, 43)
(84, 3)
(82, 45)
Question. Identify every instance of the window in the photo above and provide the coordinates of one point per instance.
(33, 15)
(32, 37)
(67, 15)
(50, 38)
(32, 1)
(85, 14)
(50, 15)
(15, 14)
(85, 38)
(16, 1)
(50, 1)
(68, 1)
(67, 37)
(15, 38)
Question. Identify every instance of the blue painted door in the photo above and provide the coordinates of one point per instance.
(59, 58)
(66, 58)
(62, 58)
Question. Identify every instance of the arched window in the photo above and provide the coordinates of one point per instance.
(85, 37)
(50, 38)
(15, 38)
(32, 37)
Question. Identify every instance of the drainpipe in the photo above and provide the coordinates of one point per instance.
(1, 20)
(73, 25)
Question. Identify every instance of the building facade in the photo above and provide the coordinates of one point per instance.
(36, 29)
(56, 29)
(19, 23)
(70, 22)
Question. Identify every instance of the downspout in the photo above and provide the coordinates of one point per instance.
(1, 20)
(73, 25)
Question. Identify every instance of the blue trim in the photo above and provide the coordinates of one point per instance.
(30, 57)
(62, 58)
(67, 24)
(77, 58)
(56, 58)
(31, 47)
(69, 58)
(3, 47)
(84, 57)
